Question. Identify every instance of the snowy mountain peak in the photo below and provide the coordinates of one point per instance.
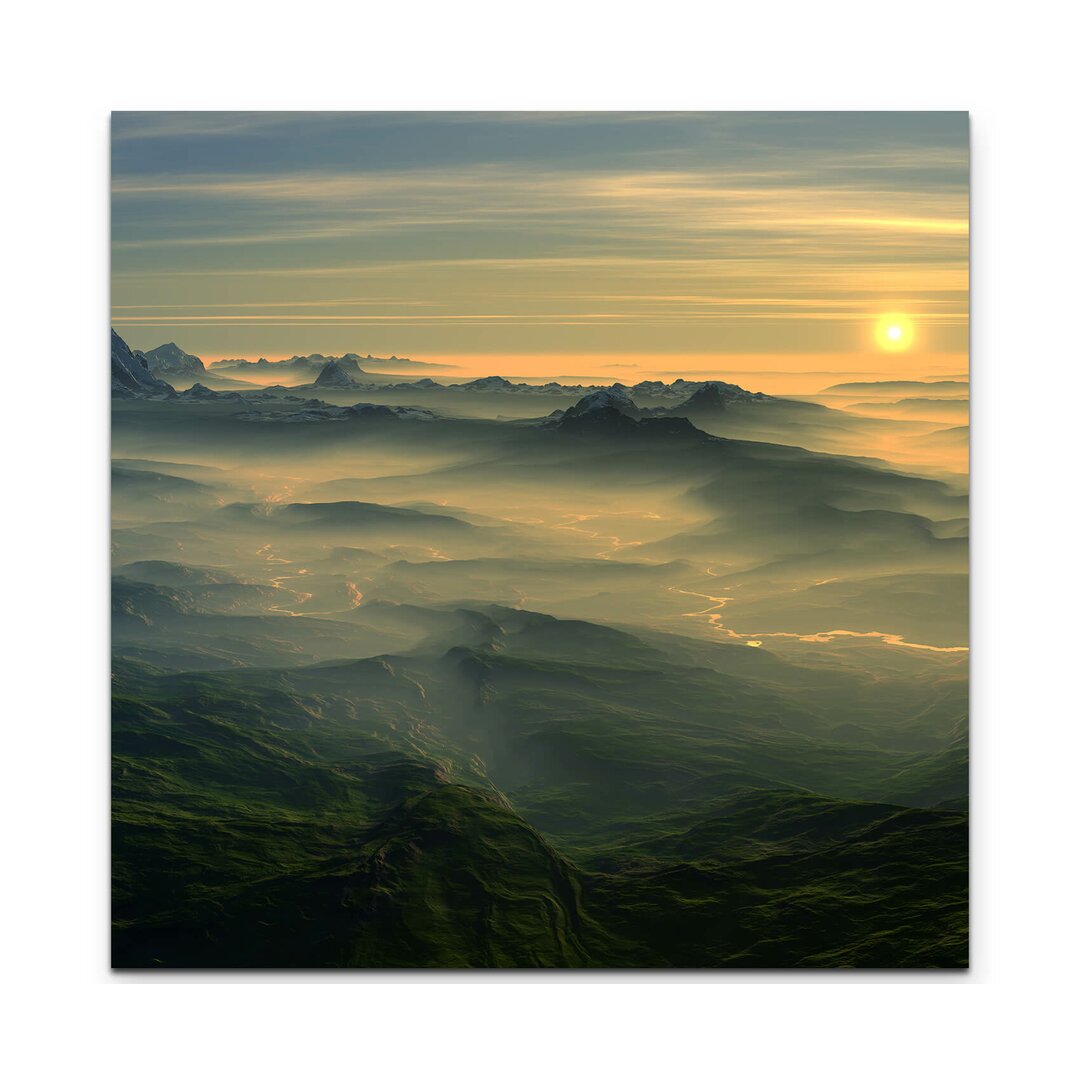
(131, 376)
(334, 374)
(170, 360)
(614, 398)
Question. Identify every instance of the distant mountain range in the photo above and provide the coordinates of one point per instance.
(906, 387)
(916, 407)
(315, 362)
(682, 410)
(680, 390)
(606, 409)
(145, 375)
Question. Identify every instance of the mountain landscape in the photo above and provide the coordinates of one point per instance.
(635, 681)
(539, 540)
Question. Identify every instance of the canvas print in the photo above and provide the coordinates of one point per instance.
(539, 540)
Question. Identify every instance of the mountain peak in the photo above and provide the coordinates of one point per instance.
(335, 374)
(488, 382)
(718, 394)
(170, 360)
(612, 399)
(611, 411)
(131, 374)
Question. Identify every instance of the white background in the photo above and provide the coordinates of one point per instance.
(66, 66)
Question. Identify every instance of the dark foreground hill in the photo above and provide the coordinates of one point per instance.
(550, 794)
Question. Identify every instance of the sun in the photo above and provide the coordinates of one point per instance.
(894, 333)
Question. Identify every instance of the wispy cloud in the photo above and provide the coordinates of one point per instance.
(767, 229)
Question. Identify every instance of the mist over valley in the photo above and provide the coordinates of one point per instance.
(416, 670)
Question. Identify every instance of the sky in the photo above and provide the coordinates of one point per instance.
(547, 244)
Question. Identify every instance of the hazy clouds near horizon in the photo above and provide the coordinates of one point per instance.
(555, 237)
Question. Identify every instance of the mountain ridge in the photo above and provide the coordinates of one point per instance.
(131, 375)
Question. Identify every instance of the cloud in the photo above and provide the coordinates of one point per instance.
(710, 229)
